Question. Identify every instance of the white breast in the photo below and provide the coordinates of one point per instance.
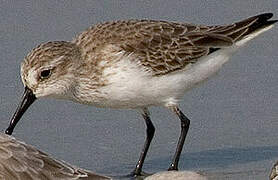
(130, 86)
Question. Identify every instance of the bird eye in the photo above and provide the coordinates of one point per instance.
(45, 74)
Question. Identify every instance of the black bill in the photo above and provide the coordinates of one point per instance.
(27, 99)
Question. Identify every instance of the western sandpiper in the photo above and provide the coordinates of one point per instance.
(134, 64)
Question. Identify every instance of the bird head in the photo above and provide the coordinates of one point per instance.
(47, 71)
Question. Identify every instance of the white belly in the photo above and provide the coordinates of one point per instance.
(131, 87)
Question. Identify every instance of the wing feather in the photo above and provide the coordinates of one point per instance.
(163, 47)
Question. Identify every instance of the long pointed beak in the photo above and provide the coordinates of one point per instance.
(27, 99)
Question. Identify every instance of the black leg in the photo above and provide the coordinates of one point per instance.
(185, 122)
(150, 132)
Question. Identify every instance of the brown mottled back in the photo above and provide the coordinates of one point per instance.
(162, 46)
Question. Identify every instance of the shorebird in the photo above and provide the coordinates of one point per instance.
(20, 161)
(134, 64)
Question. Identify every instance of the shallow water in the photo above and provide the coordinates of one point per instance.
(233, 133)
(230, 163)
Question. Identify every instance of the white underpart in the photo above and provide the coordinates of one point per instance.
(130, 86)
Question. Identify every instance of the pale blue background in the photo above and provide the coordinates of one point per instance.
(234, 122)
